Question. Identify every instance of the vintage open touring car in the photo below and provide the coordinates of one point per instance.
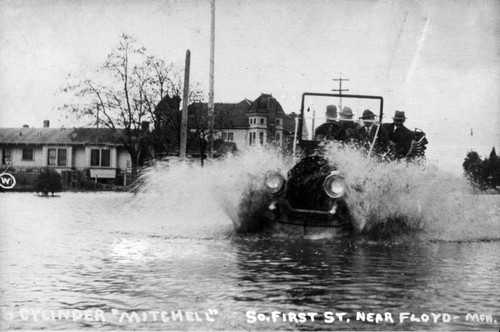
(311, 199)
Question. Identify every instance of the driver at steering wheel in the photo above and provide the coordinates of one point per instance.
(331, 129)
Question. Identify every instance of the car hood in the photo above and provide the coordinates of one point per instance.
(304, 186)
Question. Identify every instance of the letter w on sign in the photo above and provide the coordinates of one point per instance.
(7, 181)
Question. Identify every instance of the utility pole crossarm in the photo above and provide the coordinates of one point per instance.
(340, 90)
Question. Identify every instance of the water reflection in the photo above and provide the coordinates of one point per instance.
(104, 260)
(319, 276)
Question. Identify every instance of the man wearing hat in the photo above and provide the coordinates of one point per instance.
(400, 137)
(331, 129)
(347, 122)
(346, 118)
(366, 133)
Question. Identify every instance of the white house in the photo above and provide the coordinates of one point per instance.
(29, 150)
(252, 123)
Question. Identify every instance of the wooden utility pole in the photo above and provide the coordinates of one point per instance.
(185, 99)
(340, 80)
(211, 84)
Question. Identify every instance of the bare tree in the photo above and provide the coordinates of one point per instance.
(124, 94)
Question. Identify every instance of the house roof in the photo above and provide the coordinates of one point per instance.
(231, 115)
(265, 103)
(235, 115)
(226, 115)
(58, 136)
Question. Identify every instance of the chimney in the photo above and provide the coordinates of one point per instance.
(46, 123)
(145, 126)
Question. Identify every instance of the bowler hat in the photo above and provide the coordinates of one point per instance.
(331, 111)
(367, 114)
(347, 111)
(398, 115)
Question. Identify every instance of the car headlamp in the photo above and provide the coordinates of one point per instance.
(274, 182)
(334, 185)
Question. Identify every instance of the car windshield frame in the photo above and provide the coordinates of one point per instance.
(299, 123)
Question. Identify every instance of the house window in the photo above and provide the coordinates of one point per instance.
(100, 157)
(278, 122)
(28, 154)
(56, 157)
(261, 121)
(6, 156)
(61, 157)
(224, 136)
(105, 157)
(261, 138)
(95, 157)
(230, 137)
(253, 138)
(51, 157)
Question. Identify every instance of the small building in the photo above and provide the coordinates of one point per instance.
(74, 152)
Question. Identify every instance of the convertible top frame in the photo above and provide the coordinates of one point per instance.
(299, 125)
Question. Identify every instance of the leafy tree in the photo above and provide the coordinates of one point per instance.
(48, 181)
(492, 169)
(482, 173)
(472, 166)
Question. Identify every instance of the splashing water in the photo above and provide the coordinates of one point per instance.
(414, 197)
(386, 199)
(213, 193)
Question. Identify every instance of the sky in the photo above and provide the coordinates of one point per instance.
(439, 61)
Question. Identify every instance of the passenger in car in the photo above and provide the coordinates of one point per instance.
(347, 122)
(366, 133)
(400, 137)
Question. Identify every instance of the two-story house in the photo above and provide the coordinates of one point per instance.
(250, 123)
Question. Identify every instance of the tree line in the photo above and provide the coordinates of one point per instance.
(483, 174)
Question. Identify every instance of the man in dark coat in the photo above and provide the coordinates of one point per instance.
(366, 133)
(347, 122)
(400, 137)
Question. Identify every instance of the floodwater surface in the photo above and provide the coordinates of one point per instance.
(167, 257)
